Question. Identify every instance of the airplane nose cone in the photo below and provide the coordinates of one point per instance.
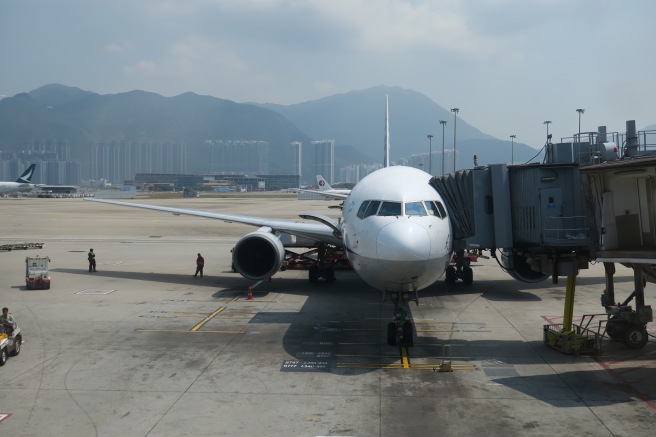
(403, 241)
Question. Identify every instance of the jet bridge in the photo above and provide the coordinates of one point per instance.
(591, 199)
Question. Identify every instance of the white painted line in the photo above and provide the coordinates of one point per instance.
(95, 292)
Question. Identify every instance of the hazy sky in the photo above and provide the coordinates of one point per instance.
(509, 65)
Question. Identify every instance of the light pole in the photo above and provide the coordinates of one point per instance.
(442, 122)
(512, 148)
(430, 153)
(548, 122)
(580, 111)
(455, 118)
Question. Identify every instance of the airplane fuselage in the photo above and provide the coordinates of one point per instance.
(395, 235)
(11, 187)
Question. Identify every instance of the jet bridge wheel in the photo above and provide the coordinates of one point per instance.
(636, 337)
(616, 328)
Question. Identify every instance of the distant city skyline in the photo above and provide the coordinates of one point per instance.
(508, 65)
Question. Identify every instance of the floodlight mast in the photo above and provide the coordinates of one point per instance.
(512, 148)
(443, 122)
(430, 153)
(580, 111)
(455, 119)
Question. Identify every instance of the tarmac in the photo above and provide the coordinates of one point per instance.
(142, 348)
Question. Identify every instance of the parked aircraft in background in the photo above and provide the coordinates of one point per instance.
(326, 190)
(23, 183)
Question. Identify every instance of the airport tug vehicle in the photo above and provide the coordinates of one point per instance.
(10, 344)
(36, 272)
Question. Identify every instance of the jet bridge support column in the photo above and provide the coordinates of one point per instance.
(608, 298)
(568, 315)
(570, 338)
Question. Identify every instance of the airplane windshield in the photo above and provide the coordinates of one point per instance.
(419, 208)
(415, 208)
(436, 209)
(390, 208)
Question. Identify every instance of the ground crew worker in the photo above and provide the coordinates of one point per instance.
(92, 261)
(7, 321)
(200, 263)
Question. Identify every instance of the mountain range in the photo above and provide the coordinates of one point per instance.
(354, 120)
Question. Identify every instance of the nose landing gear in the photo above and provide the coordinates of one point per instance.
(401, 329)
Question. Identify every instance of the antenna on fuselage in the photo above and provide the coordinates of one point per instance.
(386, 157)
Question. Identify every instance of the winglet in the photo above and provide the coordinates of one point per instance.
(26, 177)
(386, 158)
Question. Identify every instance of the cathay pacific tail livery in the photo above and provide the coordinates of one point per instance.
(23, 183)
(394, 229)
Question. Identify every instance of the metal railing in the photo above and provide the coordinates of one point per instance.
(565, 231)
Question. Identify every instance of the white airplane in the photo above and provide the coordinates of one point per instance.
(394, 229)
(21, 184)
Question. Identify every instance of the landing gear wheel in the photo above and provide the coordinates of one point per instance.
(451, 275)
(636, 337)
(408, 339)
(391, 333)
(330, 274)
(616, 329)
(314, 273)
(17, 345)
(468, 275)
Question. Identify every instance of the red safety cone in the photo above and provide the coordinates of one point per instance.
(250, 293)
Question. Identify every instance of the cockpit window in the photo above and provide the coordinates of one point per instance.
(372, 209)
(390, 208)
(441, 208)
(415, 208)
(435, 208)
(363, 208)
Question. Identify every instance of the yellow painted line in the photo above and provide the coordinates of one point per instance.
(186, 331)
(436, 323)
(438, 330)
(207, 319)
(368, 356)
(404, 357)
(400, 366)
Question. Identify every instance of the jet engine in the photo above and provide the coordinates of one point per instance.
(519, 268)
(258, 255)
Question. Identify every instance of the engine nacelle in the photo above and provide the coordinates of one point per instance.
(518, 267)
(258, 255)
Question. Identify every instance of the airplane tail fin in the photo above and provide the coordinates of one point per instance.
(26, 177)
(386, 157)
(323, 184)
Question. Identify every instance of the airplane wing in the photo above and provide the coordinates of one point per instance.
(338, 196)
(318, 231)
